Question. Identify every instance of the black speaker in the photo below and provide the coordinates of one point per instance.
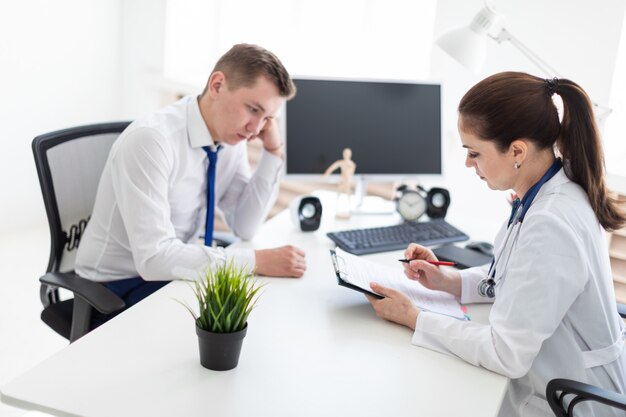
(306, 213)
(437, 203)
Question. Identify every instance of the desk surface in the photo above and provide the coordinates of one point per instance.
(312, 348)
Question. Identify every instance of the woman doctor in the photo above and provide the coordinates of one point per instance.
(554, 312)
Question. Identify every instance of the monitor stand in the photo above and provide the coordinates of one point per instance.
(369, 204)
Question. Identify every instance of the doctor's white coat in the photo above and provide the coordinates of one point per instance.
(554, 315)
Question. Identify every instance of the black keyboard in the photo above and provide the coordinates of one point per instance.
(384, 239)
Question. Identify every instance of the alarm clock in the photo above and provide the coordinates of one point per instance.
(411, 204)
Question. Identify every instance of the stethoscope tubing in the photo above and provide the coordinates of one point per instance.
(486, 286)
(497, 260)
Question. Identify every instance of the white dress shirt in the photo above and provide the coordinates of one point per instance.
(554, 315)
(151, 201)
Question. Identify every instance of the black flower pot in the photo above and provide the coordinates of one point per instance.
(220, 351)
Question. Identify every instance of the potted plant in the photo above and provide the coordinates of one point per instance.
(226, 295)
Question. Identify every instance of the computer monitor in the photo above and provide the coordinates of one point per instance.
(393, 128)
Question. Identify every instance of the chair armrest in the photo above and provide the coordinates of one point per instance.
(224, 239)
(621, 309)
(97, 295)
(558, 388)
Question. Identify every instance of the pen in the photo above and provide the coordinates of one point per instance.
(437, 263)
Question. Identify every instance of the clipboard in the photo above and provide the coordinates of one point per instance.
(356, 273)
(337, 261)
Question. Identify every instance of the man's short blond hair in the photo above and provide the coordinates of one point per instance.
(244, 63)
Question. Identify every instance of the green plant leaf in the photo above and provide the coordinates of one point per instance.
(226, 295)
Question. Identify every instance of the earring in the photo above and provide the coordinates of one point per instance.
(517, 165)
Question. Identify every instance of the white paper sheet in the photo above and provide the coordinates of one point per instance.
(361, 272)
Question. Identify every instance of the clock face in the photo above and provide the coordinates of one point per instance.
(411, 205)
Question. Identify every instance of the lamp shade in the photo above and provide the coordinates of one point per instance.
(468, 45)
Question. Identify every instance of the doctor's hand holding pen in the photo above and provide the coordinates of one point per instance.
(396, 306)
(430, 276)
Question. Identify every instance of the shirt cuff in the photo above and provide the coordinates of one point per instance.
(420, 326)
(470, 279)
(467, 287)
(242, 257)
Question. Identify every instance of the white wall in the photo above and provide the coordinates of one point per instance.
(60, 67)
(68, 63)
(72, 62)
(142, 31)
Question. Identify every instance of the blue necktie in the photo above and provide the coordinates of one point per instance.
(210, 195)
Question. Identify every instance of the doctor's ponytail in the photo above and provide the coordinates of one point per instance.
(511, 105)
(581, 147)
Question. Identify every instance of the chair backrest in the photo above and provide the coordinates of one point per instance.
(69, 164)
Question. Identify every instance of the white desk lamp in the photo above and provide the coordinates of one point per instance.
(468, 45)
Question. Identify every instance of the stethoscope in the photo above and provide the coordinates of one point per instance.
(487, 286)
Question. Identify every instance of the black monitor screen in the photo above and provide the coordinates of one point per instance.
(392, 128)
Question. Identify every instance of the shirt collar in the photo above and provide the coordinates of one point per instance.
(558, 180)
(197, 130)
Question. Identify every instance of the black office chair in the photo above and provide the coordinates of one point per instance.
(69, 164)
(564, 394)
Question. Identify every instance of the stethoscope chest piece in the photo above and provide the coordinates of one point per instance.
(487, 288)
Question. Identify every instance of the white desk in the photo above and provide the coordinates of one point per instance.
(312, 349)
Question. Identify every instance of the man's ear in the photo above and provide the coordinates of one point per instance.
(216, 83)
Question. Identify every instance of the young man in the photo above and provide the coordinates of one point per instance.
(151, 202)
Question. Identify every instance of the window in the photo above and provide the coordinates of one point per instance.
(388, 39)
(615, 124)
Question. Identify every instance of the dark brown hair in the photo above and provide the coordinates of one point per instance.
(513, 105)
(244, 63)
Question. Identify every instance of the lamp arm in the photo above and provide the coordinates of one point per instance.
(504, 35)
